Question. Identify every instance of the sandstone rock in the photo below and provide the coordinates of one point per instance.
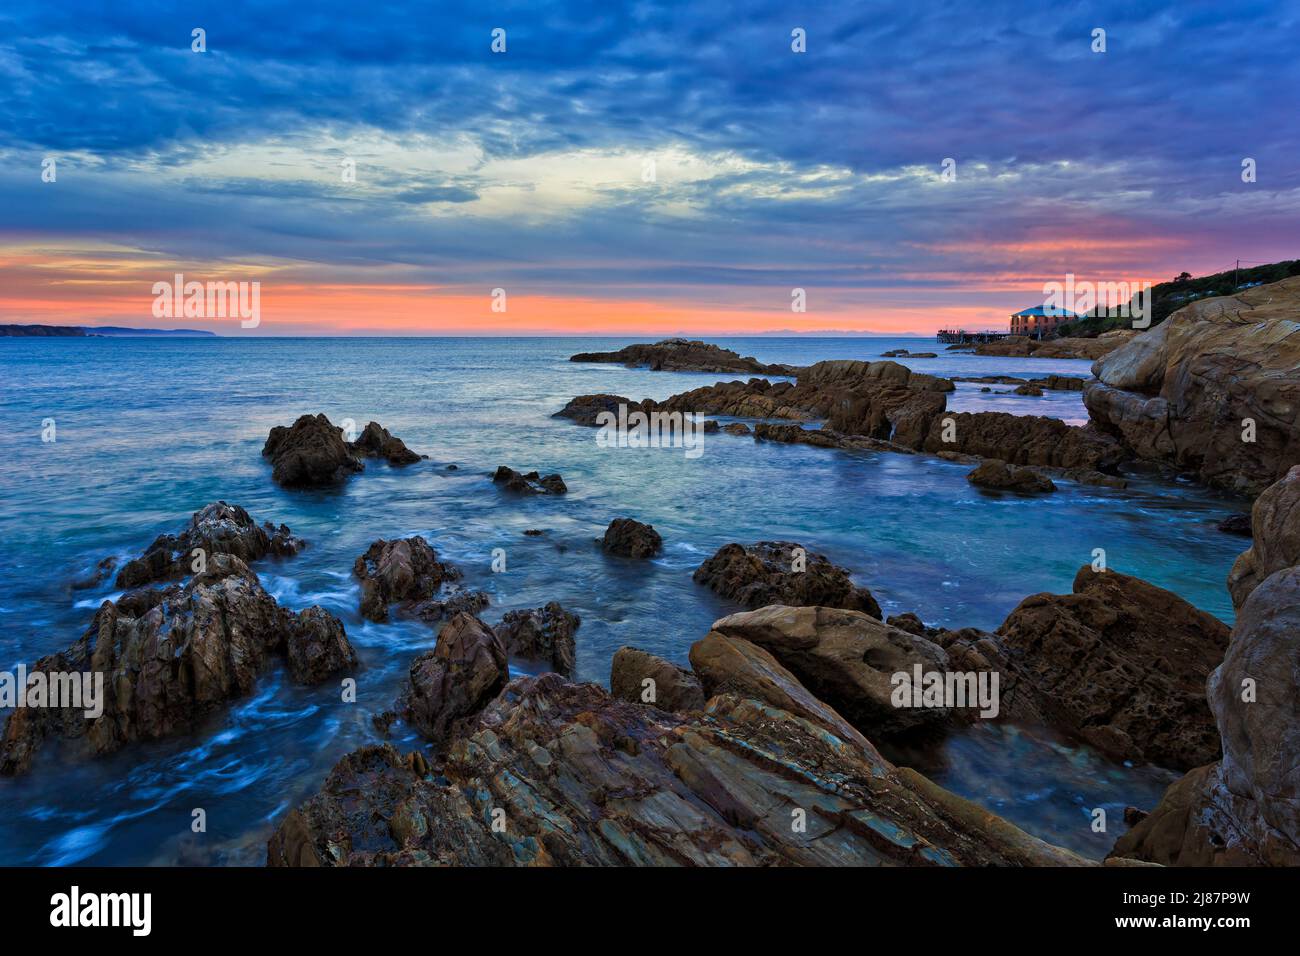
(1181, 392)
(847, 659)
(454, 681)
(1245, 809)
(586, 779)
(907, 621)
(529, 484)
(1119, 663)
(631, 539)
(405, 570)
(375, 441)
(1275, 527)
(1066, 348)
(217, 528)
(782, 572)
(674, 688)
(542, 634)
(1015, 439)
(310, 452)
(169, 658)
(998, 475)
(683, 355)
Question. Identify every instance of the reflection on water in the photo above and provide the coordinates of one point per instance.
(150, 431)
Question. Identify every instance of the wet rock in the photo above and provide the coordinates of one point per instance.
(317, 646)
(1238, 524)
(645, 678)
(631, 539)
(782, 572)
(534, 532)
(466, 669)
(1030, 390)
(1243, 810)
(846, 659)
(375, 441)
(1183, 392)
(683, 355)
(310, 452)
(998, 475)
(1061, 383)
(450, 604)
(217, 528)
(1015, 439)
(529, 484)
(96, 576)
(543, 634)
(737, 428)
(1275, 527)
(168, 659)
(405, 570)
(586, 409)
(1119, 663)
(583, 778)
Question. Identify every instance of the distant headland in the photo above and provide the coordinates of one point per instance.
(84, 331)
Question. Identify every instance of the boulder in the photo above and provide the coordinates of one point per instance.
(217, 528)
(848, 660)
(1245, 809)
(995, 474)
(572, 776)
(543, 634)
(310, 452)
(631, 539)
(169, 658)
(529, 484)
(671, 687)
(1275, 528)
(466, 669)
(782, 572)
(405, 570)
(1190, 390)
(375, 441)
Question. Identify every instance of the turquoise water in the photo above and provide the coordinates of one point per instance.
(148, 431)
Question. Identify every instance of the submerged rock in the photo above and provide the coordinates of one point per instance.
(465, 670)
(782, 572)
(631, 539)
(1245, 809)
(405, 570)
(683, 355)
(1275, 527)
(998, 475)
(529, 484)
(310, 452)
(217, 528)
(169, 658)
(1120, 664)
(573, 776)
(1190, 390)
(644, 678)
(542, 634)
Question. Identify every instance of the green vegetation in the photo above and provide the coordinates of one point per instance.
(1171, 296)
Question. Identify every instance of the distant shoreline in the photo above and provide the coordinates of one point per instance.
(94, 331)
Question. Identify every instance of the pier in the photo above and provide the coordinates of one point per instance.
(962, 337)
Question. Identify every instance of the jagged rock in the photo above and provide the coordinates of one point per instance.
(631, 539)
(1015, 439)
(529, 484)
(907, 621)
(683, 355)
(434, 610)
(217, 528)
(998, 475)
(782, 572)
(405, 570)
(459, 677)
(1243, 810)
(542, 634)
(1119, 663)
(1275, 527)
(1184, 392)
(737, 428)
(586, 409)
(673, 688)
(846, 659)
(310, 452)
(375, 441)
(317, 646)
(96, 576)
(583, 778)
(169, 658)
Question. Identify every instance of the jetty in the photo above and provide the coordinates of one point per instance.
(962, 337)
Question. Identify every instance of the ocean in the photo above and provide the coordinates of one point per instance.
(150, 430)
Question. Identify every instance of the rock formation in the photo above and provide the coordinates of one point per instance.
(529, 484)
(998, 475)
(631, 539)
(466, 669)
(405, 570)
(782, 572)
(543, 634)
(1275, 528)
(683, 355)
(669, 686)
(375, 441)
(310, 452)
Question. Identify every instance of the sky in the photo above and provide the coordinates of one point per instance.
(633, 168)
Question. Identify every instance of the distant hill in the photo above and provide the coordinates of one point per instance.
(76, 331)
